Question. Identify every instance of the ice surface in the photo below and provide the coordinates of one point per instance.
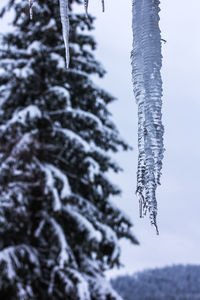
(147, 84)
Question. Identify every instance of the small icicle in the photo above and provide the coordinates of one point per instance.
(31, 9)
(103, 5)
(140, 204)
(64, 14)
(154, 223)
(86, 2)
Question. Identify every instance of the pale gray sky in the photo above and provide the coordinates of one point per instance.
(178, 197)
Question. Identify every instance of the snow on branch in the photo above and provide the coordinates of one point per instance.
(39, 229)
(50, 182)
(30, 112)
(110, 236)
(10, 256)
(65, 280)
(24, 292)
(75, 137)
(147, 85)
(60, 91)
(51, 172)
(66, 189)
(102, 289)
(83, 224)
(93, 168)
(65, 252)
(23, 144)
(81, 284)
(89, 149)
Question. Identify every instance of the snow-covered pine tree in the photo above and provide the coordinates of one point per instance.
(59, 231)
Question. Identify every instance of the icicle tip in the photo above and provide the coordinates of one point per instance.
(31, 9)
(103, 5)
(86, 2)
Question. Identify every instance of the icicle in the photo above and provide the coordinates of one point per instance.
(64, 14)
(31, 9)
(86, 2)
(103, 5)
(147, 85)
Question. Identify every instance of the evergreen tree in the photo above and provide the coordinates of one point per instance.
(59, 231)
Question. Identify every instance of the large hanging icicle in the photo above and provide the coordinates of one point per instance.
(147, 85)
(64, 14)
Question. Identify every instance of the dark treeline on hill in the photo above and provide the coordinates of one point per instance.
(170, 283)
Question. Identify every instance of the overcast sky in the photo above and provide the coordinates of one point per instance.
(178, 197)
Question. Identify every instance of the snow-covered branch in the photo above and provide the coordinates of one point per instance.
(64, 251)
(83, 223)
(10, 257)
(51, 172)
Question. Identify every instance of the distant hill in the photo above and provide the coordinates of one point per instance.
(178, 282)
